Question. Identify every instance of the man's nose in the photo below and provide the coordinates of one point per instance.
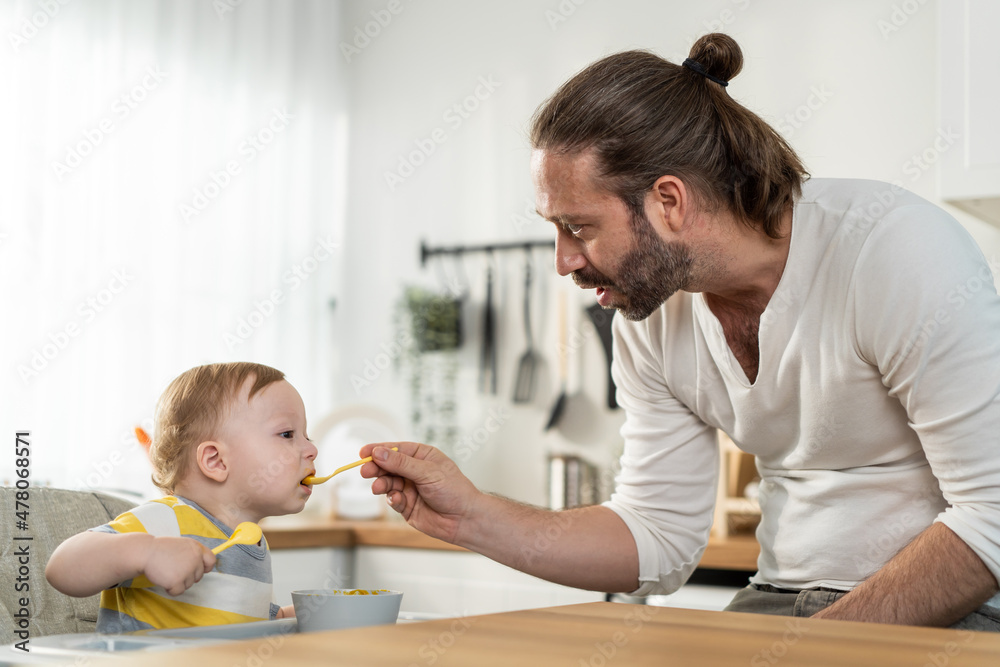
(568, 255)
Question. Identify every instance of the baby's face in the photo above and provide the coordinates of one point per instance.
(268, 452)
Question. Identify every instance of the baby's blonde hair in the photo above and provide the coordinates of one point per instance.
(191, 409)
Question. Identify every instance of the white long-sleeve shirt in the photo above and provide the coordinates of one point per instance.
(875, 412)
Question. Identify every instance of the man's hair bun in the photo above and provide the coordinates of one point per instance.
(719, 54)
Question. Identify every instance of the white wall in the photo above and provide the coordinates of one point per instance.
(872, 85)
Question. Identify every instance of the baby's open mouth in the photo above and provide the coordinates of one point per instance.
(309, 479)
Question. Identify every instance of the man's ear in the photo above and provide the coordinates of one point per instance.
(667, 203)
(212, 460)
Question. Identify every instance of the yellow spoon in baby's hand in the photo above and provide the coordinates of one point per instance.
(246, 533)
(312, 479)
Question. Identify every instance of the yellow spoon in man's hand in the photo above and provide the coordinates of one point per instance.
(246, 533)
(311, 479)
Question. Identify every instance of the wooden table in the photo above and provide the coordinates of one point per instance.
(602, 633)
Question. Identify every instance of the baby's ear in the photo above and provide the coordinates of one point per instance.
(211, 460)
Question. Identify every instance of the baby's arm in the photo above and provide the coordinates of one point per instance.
(288, 611)
(91, 562)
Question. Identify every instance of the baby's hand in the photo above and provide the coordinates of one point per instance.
(177, 563)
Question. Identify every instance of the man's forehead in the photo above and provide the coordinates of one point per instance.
(567, 186)
(565, 166)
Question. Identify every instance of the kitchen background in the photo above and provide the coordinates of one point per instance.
(190, 181)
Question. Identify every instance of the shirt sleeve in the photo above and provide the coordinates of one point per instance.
(928, 316)
(126, 522)
(666, 490)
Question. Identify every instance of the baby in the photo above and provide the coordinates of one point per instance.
(229, 446)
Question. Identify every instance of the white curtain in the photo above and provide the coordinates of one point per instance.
(172, 188)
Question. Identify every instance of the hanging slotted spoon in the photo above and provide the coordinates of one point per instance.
(524, 385)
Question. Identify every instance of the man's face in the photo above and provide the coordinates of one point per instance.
(632, 268)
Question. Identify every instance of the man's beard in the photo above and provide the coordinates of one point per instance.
(646, 276)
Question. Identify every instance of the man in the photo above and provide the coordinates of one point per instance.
(830, 328)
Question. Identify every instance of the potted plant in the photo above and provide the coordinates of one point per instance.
(433, 323)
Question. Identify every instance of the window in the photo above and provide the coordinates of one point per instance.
(172, 194)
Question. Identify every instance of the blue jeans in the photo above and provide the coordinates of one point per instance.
(764, 599)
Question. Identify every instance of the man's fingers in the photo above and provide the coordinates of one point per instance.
(397, 501)
(382, 485)
(366, 451)
(409, 448)
(400, 463)
(386, 484)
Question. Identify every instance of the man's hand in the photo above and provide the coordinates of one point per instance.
(177, 563)
(423, 485)
(587, 547)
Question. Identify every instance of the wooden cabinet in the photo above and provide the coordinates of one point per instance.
(735, 513)
(967, 145)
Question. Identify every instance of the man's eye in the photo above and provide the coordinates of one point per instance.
(573, 229)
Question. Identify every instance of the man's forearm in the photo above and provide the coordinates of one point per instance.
(587, 547)
(936, 580)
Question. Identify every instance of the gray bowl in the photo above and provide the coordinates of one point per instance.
(333, 609)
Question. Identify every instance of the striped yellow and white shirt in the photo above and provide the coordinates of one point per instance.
(237, 590)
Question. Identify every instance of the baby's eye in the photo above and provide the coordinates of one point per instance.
(287, 434)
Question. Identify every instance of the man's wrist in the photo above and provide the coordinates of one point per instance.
(492, 521)
(469, 528)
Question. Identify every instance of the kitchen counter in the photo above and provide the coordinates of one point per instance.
(731, 553)
(601, 633)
